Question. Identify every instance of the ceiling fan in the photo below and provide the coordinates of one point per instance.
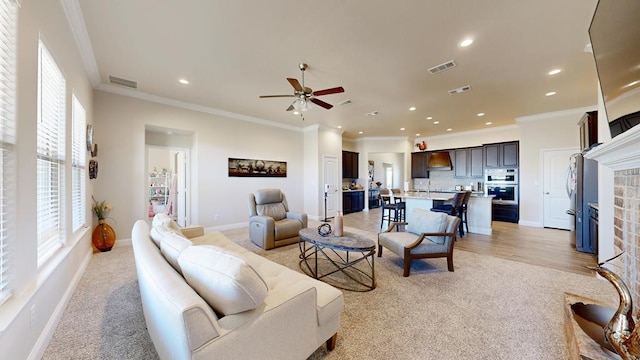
(306, 95)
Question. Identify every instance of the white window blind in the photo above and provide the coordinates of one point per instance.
(78, 161)
(51, 152)
(8, 14)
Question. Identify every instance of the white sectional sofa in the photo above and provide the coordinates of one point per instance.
(245, 306)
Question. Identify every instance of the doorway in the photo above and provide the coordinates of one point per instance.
(167, 185)
(330, 186)
(555, 200)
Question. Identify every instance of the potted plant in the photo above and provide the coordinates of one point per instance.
(103, 236)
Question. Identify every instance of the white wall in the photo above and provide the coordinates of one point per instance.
(557, 130)
(47, 289)
(470, 138)
(218, 201)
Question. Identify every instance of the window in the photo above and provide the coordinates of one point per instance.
(78, 161)
(8, 13)
(51, 152)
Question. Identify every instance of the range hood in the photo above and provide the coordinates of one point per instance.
(439, 161)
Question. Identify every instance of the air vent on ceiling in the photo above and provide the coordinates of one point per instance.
(442, 67)
(373, 113)
(346, 102)
(460, 90)
(123, 82)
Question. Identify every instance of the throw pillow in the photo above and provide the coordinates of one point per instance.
(425, 221)
(226, 282)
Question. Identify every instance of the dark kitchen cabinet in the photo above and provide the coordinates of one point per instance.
(349, 165)
(468, 163)
(352, 201)
(374, 198)
(419, 162)
(589, 243)
(504, 212)
(501, 155)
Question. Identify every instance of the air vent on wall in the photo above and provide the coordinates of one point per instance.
(123, 82)
(442, 67)
(460, 90)
(346, 102)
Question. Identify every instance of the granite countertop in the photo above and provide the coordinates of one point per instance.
(354, 190)
(594, 205)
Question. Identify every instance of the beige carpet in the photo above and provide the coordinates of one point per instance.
(489, 308)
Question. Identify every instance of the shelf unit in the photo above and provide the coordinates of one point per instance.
(158, 192)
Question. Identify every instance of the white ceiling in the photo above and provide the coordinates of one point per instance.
(379, 51)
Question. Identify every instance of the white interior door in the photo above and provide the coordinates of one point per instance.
(331, 179)
(555, 200)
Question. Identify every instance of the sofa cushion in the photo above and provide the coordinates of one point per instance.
(425, 221)
(225, 281)
(171, 246)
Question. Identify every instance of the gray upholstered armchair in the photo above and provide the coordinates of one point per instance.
(271, 224)
(428, 235)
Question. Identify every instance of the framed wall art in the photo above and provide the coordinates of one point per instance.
(257, 168)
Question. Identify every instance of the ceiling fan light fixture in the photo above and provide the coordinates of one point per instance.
(302, 104)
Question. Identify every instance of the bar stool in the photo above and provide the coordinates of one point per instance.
(463, 211)
(454, 209)
(392, 210)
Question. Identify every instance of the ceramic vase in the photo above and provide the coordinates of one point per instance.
(339, 225)
(103, 236)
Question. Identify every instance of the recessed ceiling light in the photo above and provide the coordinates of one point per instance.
(183, 81)
(554, 71)
(339, 126)
(436, 122)
(413, 108)
(360, 132)
(466, 42)
(550, 93)
(480, 114)
(296, 113)
(401, 129)
(449, 129)
(488, 123)
(417, 134)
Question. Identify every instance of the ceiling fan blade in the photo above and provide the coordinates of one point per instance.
(321, 103)
(290, 107)
(296, 84)
(334, 90)
(275, 96)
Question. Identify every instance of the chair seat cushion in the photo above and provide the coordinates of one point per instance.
(225, 281)
(287, 228)
(397, 241)
(425, 221)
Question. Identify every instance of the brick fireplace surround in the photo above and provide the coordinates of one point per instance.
(619, 207)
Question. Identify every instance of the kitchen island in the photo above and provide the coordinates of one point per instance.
(478, 209)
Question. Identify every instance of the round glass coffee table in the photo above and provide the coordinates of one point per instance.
(346, 262)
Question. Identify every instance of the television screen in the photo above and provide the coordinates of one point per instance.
(615, 40)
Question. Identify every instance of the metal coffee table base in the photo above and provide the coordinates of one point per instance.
(345, 267)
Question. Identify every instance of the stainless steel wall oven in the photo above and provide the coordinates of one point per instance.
(502, 184)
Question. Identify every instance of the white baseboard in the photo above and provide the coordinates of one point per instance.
(483, 231)
(530, 223)
(226, 227)
(47, 333)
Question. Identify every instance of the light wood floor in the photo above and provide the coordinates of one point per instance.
(537, 246)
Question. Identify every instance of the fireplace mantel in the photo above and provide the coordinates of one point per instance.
(620, 153)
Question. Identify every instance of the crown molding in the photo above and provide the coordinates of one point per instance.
(470, 132)
(83, 42)
(190, 106)
(555, 114)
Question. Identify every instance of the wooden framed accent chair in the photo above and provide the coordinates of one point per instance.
(426, 234)
(271, 224)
